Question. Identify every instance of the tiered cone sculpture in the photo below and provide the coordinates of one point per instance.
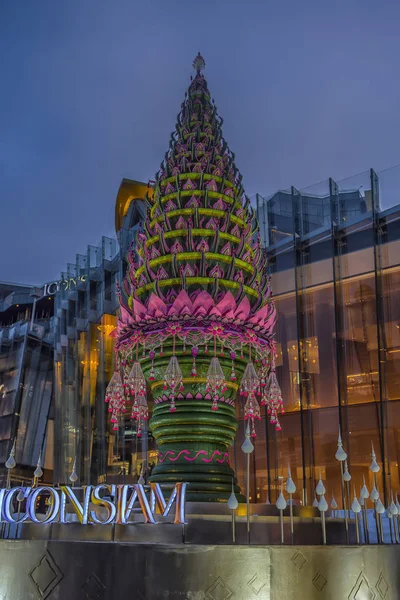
(196, 309)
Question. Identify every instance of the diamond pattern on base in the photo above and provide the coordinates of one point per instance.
(362, 589)
(382, 586)
(319, 581)
(219, 590)
(299, 560)
(45, 576)
(256, 584)
(93, 588)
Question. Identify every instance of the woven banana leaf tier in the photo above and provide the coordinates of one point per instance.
(196, 318)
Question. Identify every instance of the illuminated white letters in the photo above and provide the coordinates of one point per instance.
(107, 504)
(81, 510)
(125, 507)
(54, 505)
(118, 501)
(178, 495)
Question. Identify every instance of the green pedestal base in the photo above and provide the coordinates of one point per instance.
(193, 447)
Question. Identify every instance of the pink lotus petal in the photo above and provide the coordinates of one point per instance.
(260, 316)
(198, 396)
(182, 305)
(227, 306)
(126, 317)
(139, 310)
(243, 310)
(270, 323)
(203, 304)
(156, 307)
(215, 312)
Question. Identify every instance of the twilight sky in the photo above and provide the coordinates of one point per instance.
(91, 88)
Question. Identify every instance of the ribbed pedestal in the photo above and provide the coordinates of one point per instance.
(193, 446)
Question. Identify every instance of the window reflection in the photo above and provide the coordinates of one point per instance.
(308, 374)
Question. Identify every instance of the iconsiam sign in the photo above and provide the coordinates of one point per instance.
(196, 319)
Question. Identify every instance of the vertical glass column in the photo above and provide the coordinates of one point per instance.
(357, 332)
(379, 239)
(306, 424)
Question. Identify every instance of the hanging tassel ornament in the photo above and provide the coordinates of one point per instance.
(140, 412)
(233, 374)
(152, 373)
(215, 381)
(195, 352)
(272, 398)
(115, 398)
(250, 381)
(263, 379)
(252, 412)
(136, 383)
(248, 388)
(173, 380)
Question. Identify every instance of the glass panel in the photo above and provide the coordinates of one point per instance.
(287, 368)
(359, 339)
(285, 449)
(389, 187)
(275, 217)
(355, 198)
(391, 291)
(315, 208)
(318, 348)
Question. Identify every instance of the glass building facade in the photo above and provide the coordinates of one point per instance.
(333, 254)
(26, 379)
(85, 308)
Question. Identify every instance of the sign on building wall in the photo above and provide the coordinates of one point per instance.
(49, 289)
(101, 505)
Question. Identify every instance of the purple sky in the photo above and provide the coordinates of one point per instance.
(90, 92)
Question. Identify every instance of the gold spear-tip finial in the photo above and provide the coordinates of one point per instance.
(199, 63)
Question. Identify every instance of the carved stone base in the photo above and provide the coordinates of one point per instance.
(35, 570)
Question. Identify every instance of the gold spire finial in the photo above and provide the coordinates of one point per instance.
(199, 63)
